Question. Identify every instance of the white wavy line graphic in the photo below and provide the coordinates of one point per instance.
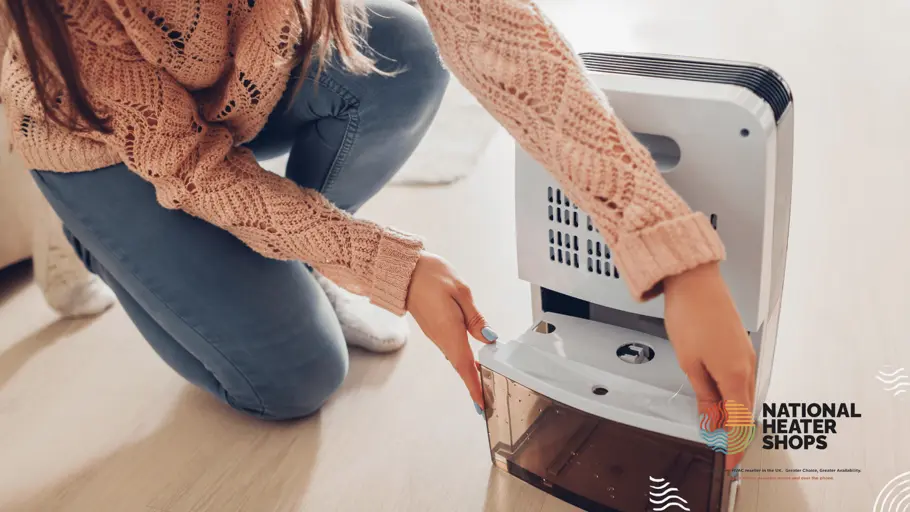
(662, 496)
(892, 381)
(665, 507)
(885, 502)
(668, 498)
(891, 374)
(664, 493)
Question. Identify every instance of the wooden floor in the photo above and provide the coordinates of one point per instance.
(91, 420)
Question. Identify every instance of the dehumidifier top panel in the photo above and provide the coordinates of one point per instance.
(604, 370)
(763, 82)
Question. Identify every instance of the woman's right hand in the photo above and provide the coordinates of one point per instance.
(711, 344)
(444, 309)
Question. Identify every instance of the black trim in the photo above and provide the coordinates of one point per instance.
(562, 304)
(764, 82)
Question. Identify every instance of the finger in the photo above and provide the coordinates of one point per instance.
(459, 354)
(711, 407)
(475, 323)
(454, 342)
(470, 376)
(737, 387)
(752, 383)
(733, 460)
(462, 359)
(706, 392)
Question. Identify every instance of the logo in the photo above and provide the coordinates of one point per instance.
(896, 381)
(894, 496)
(663, 497)
(728, 427)
(802, 426)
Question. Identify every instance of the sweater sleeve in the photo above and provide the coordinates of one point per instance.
(511, 57)
(195, 167)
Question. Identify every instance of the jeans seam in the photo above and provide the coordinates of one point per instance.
(167, 306)
(350, 133)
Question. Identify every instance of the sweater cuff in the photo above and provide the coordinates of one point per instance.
(392, 268)
(670, 248)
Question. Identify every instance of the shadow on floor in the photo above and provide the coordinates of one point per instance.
(15, 357)
(205, 457)
(369, 370)
(14, 279)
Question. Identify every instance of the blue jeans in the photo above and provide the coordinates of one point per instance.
(258, 333)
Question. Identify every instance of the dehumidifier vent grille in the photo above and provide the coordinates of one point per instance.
(574, 242)
(586, 253)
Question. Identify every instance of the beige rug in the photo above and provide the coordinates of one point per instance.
(454, 144)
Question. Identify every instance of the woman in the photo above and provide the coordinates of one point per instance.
(235, 281)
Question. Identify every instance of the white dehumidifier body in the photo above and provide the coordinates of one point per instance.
(590, 404)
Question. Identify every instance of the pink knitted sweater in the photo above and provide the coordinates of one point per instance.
(186, 83)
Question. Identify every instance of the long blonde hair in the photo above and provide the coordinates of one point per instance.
(330, 28)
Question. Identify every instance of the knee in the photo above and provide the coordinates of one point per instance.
(296, 389)
(400, 41)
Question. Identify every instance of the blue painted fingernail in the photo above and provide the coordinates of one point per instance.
(489, 334)
(478, 409)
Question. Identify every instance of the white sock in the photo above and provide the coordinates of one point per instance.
(365, 325)
(67, 285)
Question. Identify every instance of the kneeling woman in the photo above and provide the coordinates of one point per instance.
(247, 283)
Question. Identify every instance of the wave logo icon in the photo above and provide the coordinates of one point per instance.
(895, 381)
(727, 427)
(663, 497)
(895, 496)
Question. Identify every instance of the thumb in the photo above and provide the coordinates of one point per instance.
(475, 323)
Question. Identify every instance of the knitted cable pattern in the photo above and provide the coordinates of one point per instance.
(186, 83)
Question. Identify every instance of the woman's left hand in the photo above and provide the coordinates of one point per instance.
(444, 309)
